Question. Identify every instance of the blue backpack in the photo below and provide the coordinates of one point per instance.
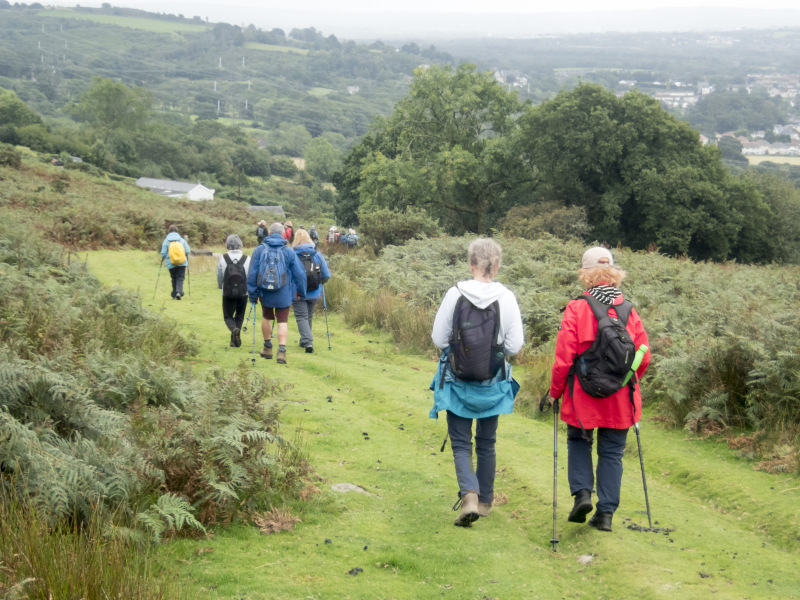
(272, 270)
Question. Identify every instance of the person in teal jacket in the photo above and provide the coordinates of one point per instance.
(177, 273)
(303, 306)
(482, 401)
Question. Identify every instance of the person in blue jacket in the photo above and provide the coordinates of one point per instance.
(275, 302)
(304, 306)
(482, 401)
(177, 273)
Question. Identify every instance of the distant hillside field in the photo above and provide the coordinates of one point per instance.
(274, 48)
(780, 160)
(154, 25)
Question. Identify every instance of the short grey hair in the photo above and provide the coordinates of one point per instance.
(486, 255)
(234, 242)
(276, 228)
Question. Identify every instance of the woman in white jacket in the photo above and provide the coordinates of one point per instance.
(481, 400)
(233, 306)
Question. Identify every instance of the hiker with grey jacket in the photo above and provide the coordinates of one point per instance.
(480, 391)
(175, 251)
(232, 269)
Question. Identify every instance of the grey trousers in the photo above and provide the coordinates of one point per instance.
(471, 480)
(580, 473)
(304, 315)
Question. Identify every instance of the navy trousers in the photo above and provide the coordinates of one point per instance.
(580, 472)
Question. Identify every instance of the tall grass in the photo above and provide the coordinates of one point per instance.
(73, 560)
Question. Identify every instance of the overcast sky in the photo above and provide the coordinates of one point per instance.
(406, 19)
(461, 6)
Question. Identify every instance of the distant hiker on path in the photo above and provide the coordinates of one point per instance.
(314, 235)
(317, 274)
(175, 250)
(232, 271)
(261, 231)
(474, 380)
(275, 276)
(611, 415)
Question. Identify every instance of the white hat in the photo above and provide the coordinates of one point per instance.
(597, 257)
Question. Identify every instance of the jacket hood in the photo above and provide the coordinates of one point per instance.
(481, 293)
(173, 236)
(305, 248)
(275, 240)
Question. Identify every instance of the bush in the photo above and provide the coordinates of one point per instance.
(535, 220)
(10, 157)
(387, 227)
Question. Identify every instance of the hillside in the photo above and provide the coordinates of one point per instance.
(357, 413)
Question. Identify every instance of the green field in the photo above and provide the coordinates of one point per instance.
(361, 410)
(320, 91)
(780, 160)
(273, 48)
(153, 25)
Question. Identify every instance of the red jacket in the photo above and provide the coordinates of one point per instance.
(578, 331)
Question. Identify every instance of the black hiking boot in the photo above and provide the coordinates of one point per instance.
(309, 349)
(582, 507)
(601, 521)
(235, 337)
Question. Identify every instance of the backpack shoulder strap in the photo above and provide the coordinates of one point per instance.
(227, 258)
(599, 309)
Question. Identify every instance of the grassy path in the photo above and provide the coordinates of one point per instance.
(362, 408)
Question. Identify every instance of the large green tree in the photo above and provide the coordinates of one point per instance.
(446, 148)
(642, 175)
(112, 105)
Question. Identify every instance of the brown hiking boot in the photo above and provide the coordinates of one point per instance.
(469, 510)
(266, 352)
(281, 357)
(484, 509)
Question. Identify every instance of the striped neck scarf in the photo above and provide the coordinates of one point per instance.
(604, 293)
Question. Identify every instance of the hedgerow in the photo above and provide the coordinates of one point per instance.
(725, 337)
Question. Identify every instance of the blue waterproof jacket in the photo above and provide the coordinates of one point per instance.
(295, 280)
(472, 399)
(320, 260)
(174, 237)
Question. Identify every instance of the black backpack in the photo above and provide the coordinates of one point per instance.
(234, 281)
(602, 368)
(313, 270)
(475, 354)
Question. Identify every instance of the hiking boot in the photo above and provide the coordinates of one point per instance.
(484, 509)
(281, 357)
(235, 337)
(266, 352)
(469, 510)
(309, 349)
(601, 521)
(582, 507)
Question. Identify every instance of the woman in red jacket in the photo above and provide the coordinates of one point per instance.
(611, 416)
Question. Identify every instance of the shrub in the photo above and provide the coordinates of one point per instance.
(10, 157)
(535, 220)
(386, 227)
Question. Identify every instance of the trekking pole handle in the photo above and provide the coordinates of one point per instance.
(637, 360)
(546, 402)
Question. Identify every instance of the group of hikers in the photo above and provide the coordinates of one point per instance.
(284, 272)
(601, 353)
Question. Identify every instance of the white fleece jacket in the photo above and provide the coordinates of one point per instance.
(481, 294)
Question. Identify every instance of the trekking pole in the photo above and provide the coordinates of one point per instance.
(543, 408)
(158, 277)
(188, 278)
(247, 320)
(328, 331)
(644, 481)
(253, 310)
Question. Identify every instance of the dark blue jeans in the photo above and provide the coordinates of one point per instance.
(610, 448)
(177, 275)
(471, 480)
